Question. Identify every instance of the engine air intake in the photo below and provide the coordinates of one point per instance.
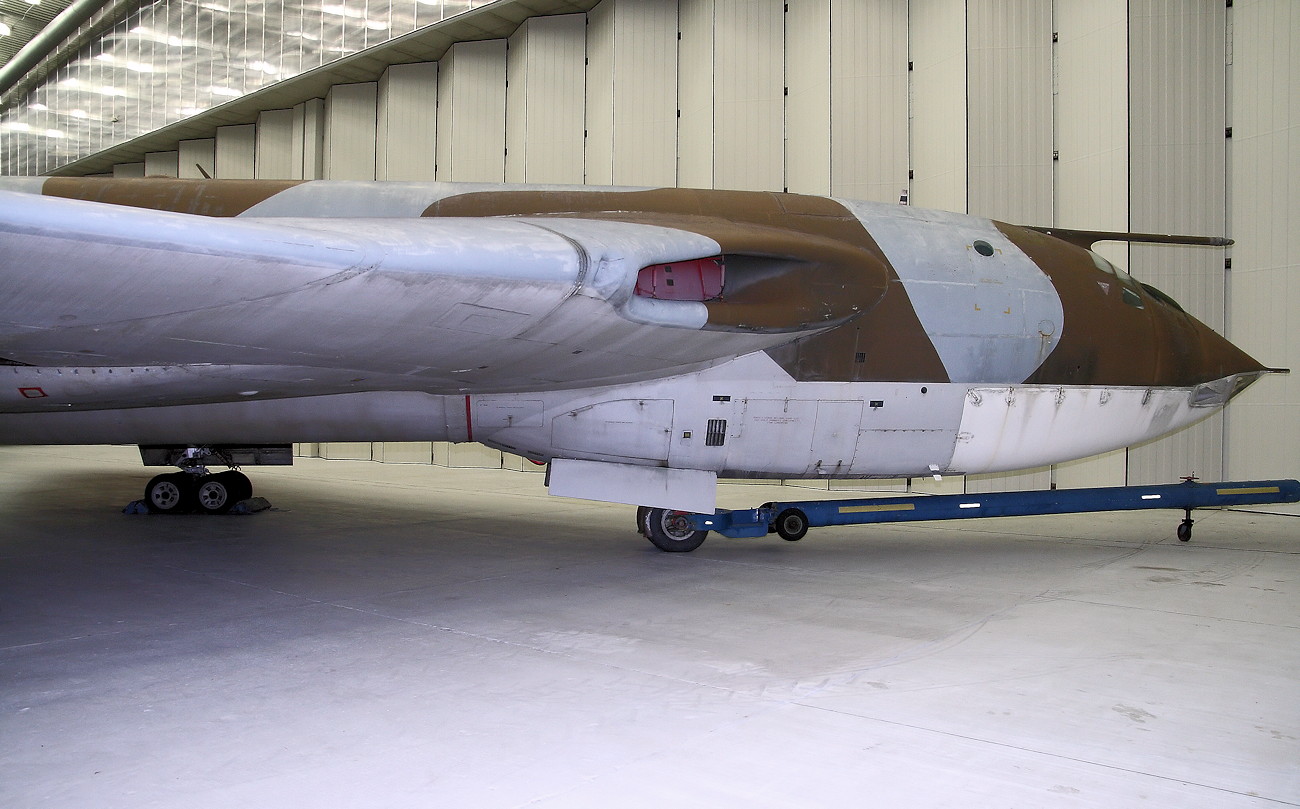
(698, 279)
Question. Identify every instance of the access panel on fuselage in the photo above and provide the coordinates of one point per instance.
(908, 427)
(795, 436)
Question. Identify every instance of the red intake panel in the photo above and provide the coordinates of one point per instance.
(695, 280)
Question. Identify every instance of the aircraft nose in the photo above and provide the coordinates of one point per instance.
(1188, 352)
(1120, 332)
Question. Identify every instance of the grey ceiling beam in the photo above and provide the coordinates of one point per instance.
(51, 48)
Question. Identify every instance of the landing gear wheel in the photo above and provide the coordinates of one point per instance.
(671, 531)
(169, 494)
(641, 511)
(217, 494)
(1185, 530)
(791, 524)
(239, 484)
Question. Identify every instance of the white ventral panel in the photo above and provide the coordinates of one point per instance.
(656, 486)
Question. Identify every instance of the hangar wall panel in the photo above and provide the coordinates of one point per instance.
(1009, 96)
(406, 130)
(161, 164)
(403, 452)
(471, 112)
(1091, 189)
(632, 90)
(308, 140)
(695, 88)
(1037, 478)
(808, 102)
(350, 113)
(870, 153)
(347, 451)
(274, 159)
(1264, 304)
(1177, 185)
(236, 151)
(546, 100)
(601, 94)
(128, 170)
(517, 102)
(1092, 117)
(748, 95)
(195, 153)
(937, 39)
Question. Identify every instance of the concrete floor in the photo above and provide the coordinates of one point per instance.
(396, 636)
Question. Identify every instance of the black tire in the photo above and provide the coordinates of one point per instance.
(791, 524)
(217, 494)
(239, 484)
(1185, 530)
(172, 493)
(641, 511)
(671, 532)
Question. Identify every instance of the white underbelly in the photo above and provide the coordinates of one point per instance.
(1016, 427)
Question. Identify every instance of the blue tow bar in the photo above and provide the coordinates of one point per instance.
(792, 519)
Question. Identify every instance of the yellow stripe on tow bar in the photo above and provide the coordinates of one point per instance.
(862, 509)
(1252, 490)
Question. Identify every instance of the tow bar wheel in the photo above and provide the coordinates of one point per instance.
(671, 531)
(791, 524)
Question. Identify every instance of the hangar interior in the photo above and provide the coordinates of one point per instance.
(436, 630)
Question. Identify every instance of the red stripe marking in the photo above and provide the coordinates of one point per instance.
(469, 422)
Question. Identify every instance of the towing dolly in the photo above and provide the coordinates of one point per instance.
(791, 520)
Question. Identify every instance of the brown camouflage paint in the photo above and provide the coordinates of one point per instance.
(199, 197)
(834, 266)
(821, 267)
(1106, 341)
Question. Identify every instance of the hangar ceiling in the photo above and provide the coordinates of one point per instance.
(121, 77)
(21, 20)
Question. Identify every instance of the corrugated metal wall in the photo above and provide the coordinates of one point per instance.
(808, 98)
(1099, 114)
(351, 120)
(632, 90)
(472, 113)
(748, 94)
(236, 152)
(274, 147)
(870, 83)
(546, 101)
(938, 139)
(1264, 205)
(196, 154)
(407, 132)
(1177, 177)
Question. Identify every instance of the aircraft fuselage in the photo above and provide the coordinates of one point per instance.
(733, 333)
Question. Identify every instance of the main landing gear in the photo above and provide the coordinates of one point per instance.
(669, 530)
(673, 531)
(194, 488)
(182, 492)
